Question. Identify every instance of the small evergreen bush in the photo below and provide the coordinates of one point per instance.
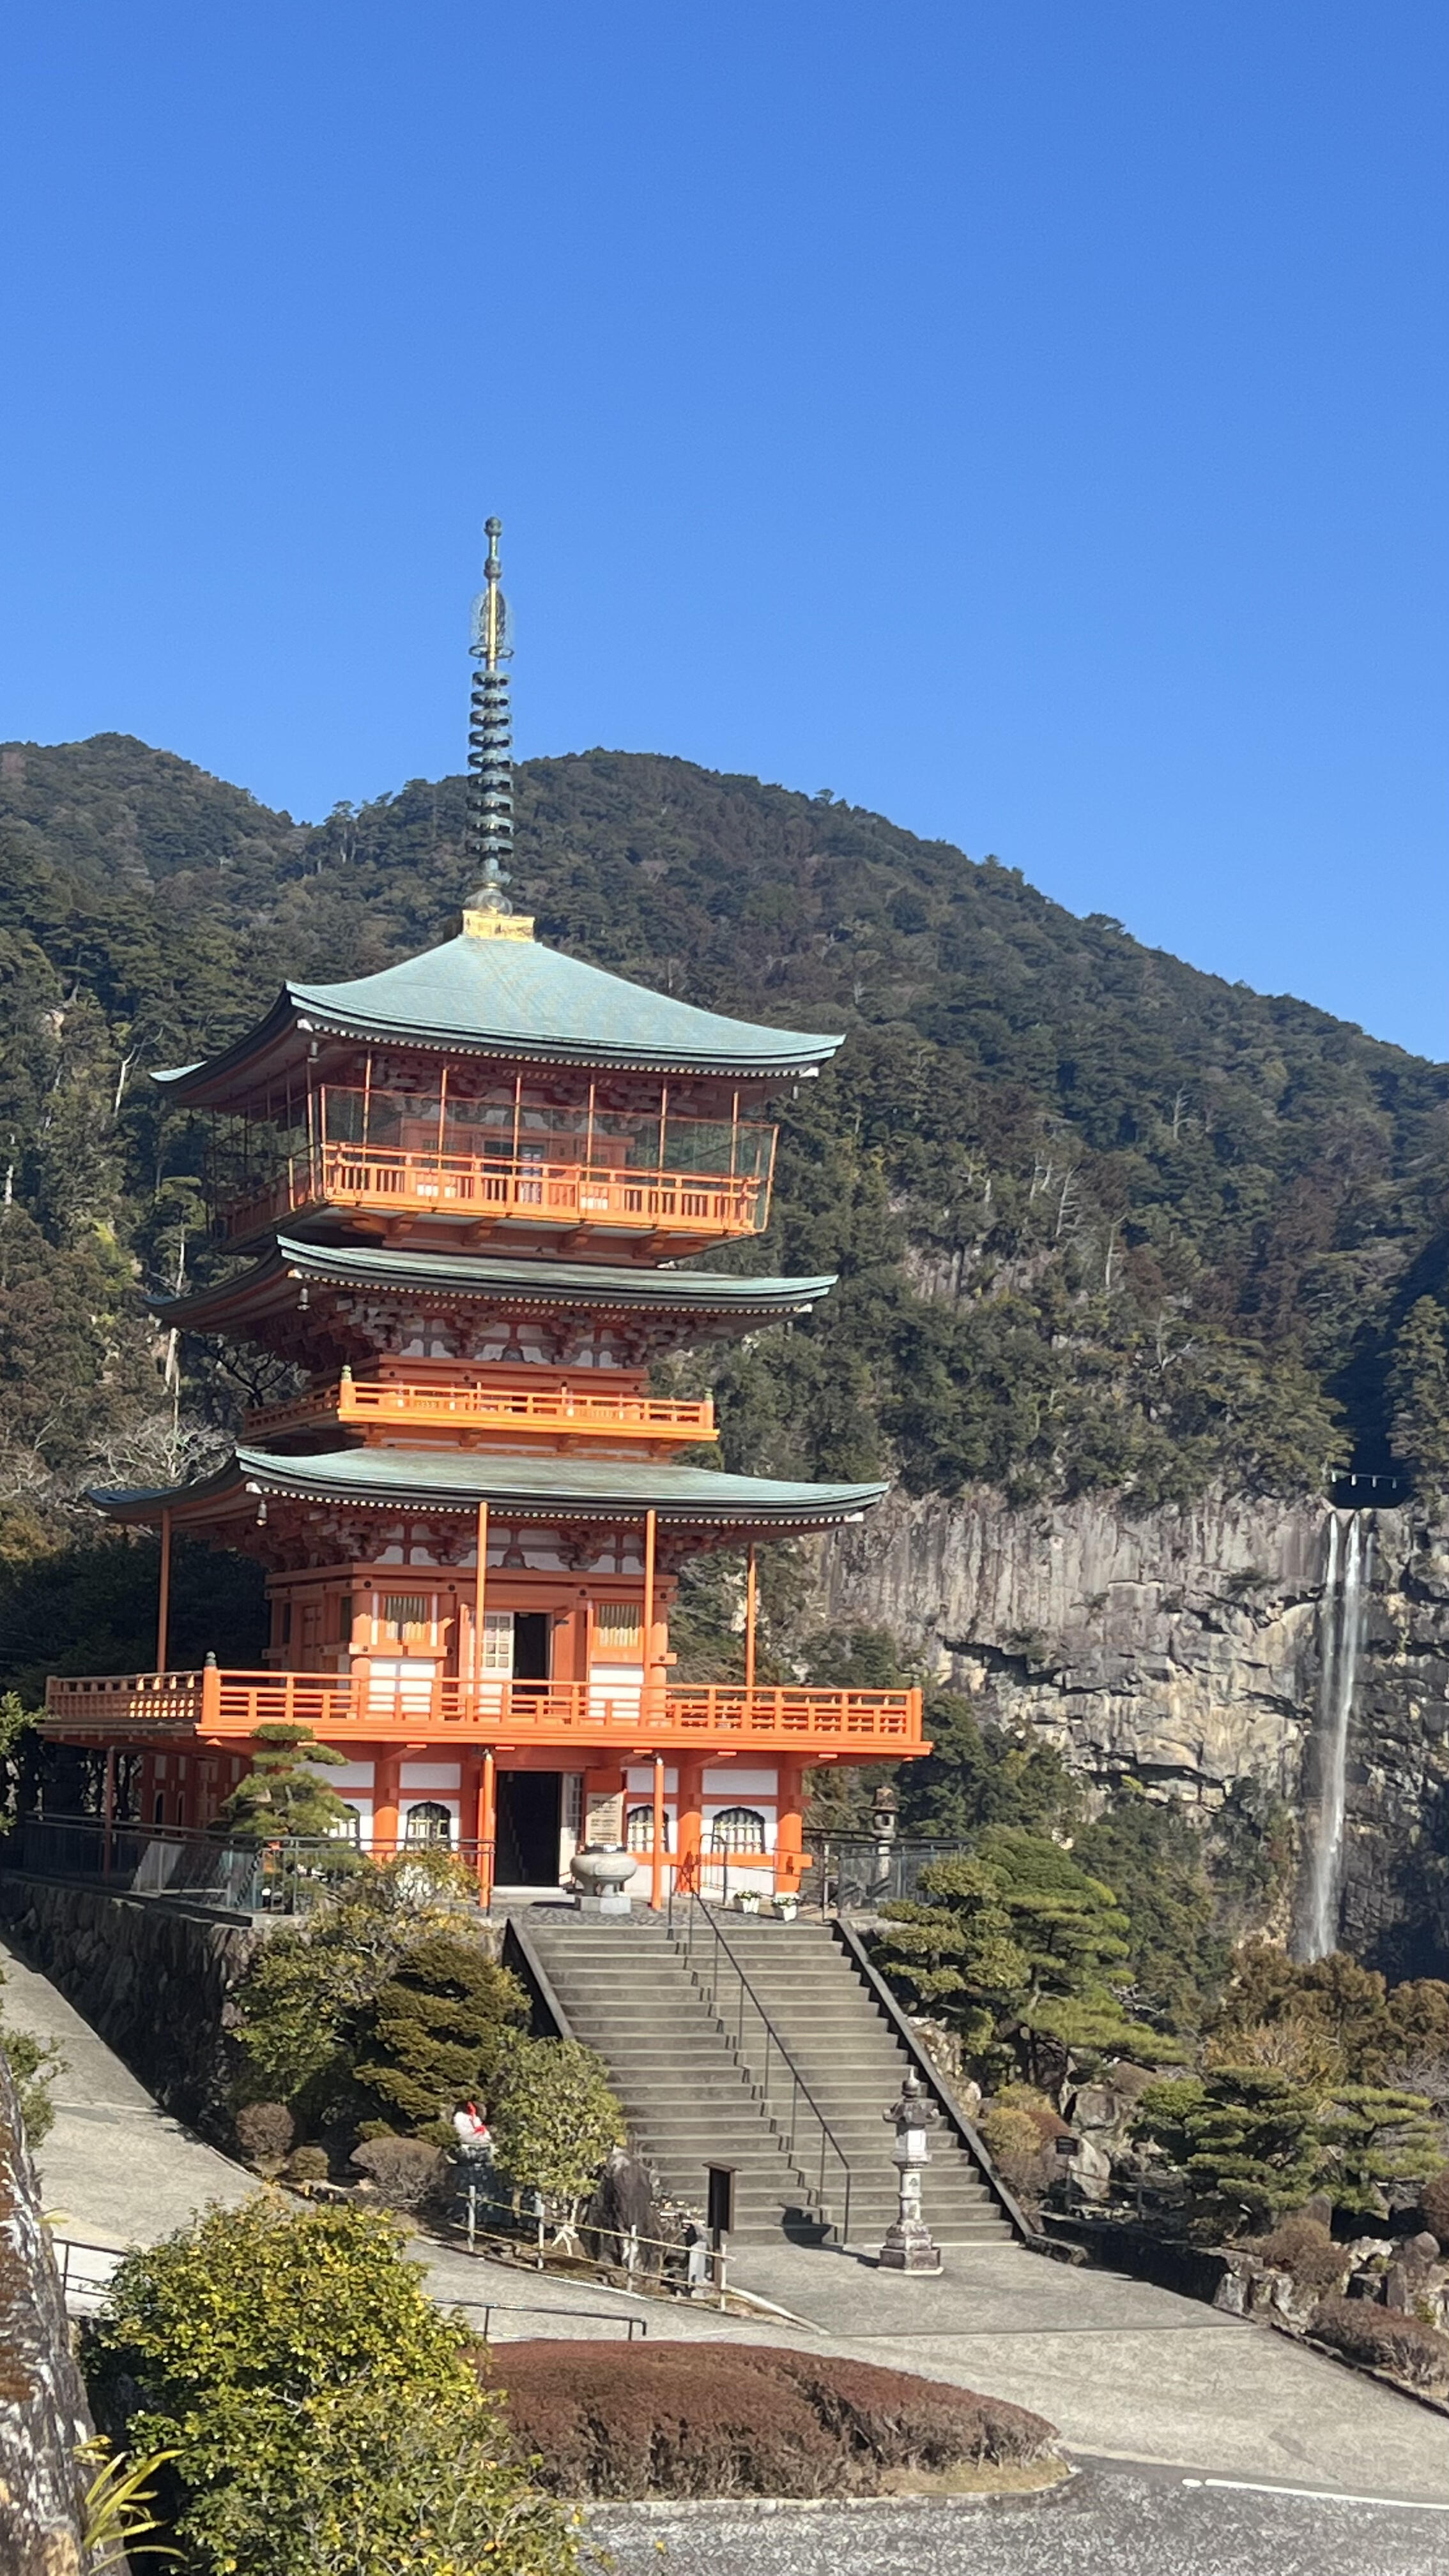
(438, 2027)
(406, 2173)
(264, 2133)
(324, 2416)
(306, 2164)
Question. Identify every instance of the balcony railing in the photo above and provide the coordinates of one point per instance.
(481, 1191)
(216, 1704)
(547, 1412)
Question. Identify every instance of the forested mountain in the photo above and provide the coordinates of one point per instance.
(1101, 1220)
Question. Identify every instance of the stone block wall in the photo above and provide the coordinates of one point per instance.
(156, 1983)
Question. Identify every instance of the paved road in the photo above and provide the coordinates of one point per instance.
(1131, 2521)
(114, 2169)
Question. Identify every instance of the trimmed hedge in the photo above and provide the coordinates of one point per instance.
(1380, 2336)
(719, 2419)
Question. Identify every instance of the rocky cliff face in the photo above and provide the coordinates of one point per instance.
(1182, 1648)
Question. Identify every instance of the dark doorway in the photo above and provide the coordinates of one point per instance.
(530, 1812)
(530, 1645)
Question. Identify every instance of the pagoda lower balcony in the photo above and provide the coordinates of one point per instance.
(556, 1415)
(569, 1717)
(405, 1187)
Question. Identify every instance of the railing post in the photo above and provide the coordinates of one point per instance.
(210, 1695)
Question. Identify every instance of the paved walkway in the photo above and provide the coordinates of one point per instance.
(114, 2169)
(1125, 2370)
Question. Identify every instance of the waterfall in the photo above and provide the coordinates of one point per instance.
(1345, 1579)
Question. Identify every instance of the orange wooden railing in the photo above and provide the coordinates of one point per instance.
(215, 1703)
(556, 1410)
(501, 1189)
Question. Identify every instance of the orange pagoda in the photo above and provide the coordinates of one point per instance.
(466, 1193)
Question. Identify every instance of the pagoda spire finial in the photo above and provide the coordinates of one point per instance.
(489, 837)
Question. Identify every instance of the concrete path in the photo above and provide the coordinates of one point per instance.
(1121, 2368)
(114, 2169)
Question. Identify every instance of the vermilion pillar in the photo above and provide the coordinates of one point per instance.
(789, 1828)
(163, 1597)
(386, 1791)
(656, 1872)
(691, 1822)
(487, 1823)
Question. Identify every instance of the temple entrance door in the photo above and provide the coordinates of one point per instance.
(530, 1813)
(531, 1645)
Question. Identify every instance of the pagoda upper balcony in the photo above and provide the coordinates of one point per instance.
(401, 1164)
(462, 1410)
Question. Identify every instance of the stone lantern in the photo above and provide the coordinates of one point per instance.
(883, 1815)
(908, 2245)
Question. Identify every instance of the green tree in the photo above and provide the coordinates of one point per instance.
(306, 1994)
(1418, 1393)
(1177, 1961)
(1247, 2137)
(554, 2120)
(1377, 2135)
(954, 1954)
(283, 1796)
(324, 2416)
(974, 1775)
(436, 2030)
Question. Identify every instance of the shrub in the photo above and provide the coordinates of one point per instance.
(1384, 2340)
(406, 2173)
(306, 2164)
(554, 2119)
(264, 2133)
(1304, 2248)
(1247, 2137)
(438, 2027)
(1014, 2143)
(325, 2418)
(34, 2064)
(714, 2419)
(1434, 2202)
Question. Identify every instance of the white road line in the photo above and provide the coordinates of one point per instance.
(1317, 2495)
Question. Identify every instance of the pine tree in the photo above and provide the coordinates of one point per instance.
(282, 1798)
(437, 2029)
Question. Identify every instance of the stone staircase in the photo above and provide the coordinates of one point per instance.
(854, 2064)
(700, 2086)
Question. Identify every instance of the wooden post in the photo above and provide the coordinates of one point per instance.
(656, 1868)
(108, 1808)
(487, 1829)
(751, 1606)
(480, 1594)
(647, 1693)
(163, 1598)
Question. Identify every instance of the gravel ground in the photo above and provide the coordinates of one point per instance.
(1113, 2517)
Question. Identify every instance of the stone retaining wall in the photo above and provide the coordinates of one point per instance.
(154, 1982)
(43, 2412)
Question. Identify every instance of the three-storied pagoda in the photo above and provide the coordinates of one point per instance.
(464, 1189)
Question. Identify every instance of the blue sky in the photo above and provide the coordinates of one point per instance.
(1028, 420)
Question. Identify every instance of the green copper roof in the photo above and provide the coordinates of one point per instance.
(480, 1274)
(513, 998)
(527, 1488)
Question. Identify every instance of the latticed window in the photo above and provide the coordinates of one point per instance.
(404, 1610)
(737, 1829)
(429, 1823)
(497, 1641)
(639, 1830)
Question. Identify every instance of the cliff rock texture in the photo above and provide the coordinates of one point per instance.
(1182, 1648)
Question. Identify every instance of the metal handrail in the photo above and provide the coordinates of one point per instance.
(695, 1905)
